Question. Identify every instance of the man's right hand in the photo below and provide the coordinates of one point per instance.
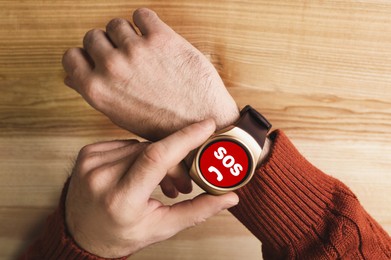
(152, 83)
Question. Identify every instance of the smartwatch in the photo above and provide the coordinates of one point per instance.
(228, 159)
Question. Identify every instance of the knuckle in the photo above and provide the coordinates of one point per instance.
(77, 76)
(115, 23)
(144, 13)
(92, 181)
(100, 178)
(85, 151)
(83, 161)
(83, 166)
(198, 220)
(91, 92)
(153, 154)
(110, 63)
(68, 55)
(68, 60)
(93, 33)
(195, 220)
(90, 37)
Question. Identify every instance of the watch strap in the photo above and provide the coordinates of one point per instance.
(254, 123)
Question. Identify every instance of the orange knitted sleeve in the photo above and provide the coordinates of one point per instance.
(55, 242)
(294, 209)
(298, 212)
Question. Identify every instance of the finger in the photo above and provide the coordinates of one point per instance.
(95, 155)
(109, 174)
(99, 158)
(147, 21)
(154, 162)
(97, 45)
(180, 178)
(107, 145)
(168, 187)
(86, 160)
(120, 31)
(77, 65)
(177, 179)
(189, 213)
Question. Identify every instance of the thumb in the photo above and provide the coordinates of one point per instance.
(189, 213)
(153, 163)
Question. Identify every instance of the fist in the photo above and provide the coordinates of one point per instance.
(152, 83)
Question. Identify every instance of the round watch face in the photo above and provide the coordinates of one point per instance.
(224, 163)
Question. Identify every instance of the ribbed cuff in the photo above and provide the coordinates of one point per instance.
(287, 200)
(55, 241)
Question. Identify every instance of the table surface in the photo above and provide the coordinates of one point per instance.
(319, 70)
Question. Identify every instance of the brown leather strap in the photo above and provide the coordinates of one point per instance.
(254, 123)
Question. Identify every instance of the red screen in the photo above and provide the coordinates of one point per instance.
(224, 163)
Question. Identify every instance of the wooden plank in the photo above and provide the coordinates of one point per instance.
(320, 70)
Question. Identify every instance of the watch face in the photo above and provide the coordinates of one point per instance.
(224, 163)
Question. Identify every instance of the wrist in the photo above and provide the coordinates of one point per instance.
(266, 150)
(229, 117)
(264, 155)
(222, 120)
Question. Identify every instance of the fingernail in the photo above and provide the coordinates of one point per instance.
(232, 201)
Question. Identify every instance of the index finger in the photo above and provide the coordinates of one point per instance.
(154, 162)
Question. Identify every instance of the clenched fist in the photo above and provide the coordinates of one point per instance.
(152, 83)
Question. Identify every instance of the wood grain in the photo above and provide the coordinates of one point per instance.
(320, 70)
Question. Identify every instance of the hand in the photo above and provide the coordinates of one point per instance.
(150, 84)
(109, 211)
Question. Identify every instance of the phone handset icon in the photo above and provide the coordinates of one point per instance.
(218, 173)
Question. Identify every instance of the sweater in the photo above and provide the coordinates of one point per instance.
(293, 208)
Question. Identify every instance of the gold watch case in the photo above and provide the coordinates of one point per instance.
(247, 142)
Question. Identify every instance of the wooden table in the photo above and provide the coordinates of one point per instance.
(320, 70)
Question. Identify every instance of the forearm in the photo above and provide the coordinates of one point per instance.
(297, 211)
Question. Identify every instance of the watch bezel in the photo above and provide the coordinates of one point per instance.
(242, 138)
